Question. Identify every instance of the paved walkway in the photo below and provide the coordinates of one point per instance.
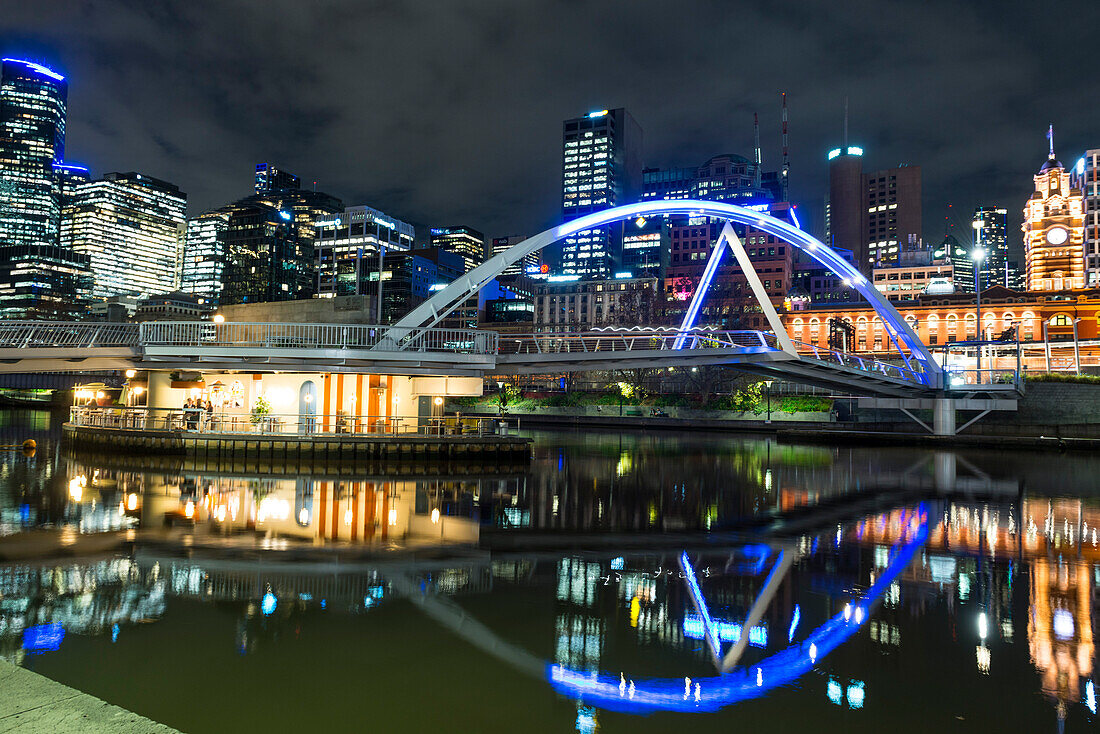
(30, 702)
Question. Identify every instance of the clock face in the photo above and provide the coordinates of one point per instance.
(1057, 235)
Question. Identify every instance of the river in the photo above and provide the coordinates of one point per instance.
(601, 588)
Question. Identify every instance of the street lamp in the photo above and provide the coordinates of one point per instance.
(768, 392)
(977, 256)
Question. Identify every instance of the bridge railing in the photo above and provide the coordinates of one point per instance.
(314, 336)
(961, 379)
(854, 361)
(276, 424)
(66, 335)
(629, 341)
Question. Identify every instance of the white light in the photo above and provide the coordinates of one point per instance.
(131, 502)
(130, 374)
(1090, 696)
(435, 516)
(834, 691)
(983, 625)
(218, 318)
(1063, 624)
(847, 612)
(393, 517)
(855, 695)
(855, 150)
(834, 153)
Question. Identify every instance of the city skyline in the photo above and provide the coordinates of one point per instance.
(233, 108)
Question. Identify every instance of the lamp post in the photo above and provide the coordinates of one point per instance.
(768, 392)
(977, 256)
(1076, 349)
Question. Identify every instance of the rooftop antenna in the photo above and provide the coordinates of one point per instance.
(1050, 137)
(845, 124)
(756, 146)
(786, 150)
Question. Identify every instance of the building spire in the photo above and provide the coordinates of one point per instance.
(1050, 137)
(845, 124)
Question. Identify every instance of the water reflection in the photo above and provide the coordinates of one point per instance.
(983, 609)
(627, 632)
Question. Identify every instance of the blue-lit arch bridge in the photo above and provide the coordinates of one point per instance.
(414, 346)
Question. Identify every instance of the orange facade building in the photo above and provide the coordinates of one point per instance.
(943, 319)
(1054, 231)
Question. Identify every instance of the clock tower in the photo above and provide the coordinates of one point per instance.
(1054, 231)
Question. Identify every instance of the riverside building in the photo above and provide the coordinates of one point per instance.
(131, 227)
(349, 246)
(601, 169)
(204, 255)
(1054, 231)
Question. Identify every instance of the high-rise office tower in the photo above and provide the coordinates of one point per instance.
(962, 265)
(131, 226)
(466, 242)
(269, 240)
(269, 178)
(350, 249)
(32, 140)
(529, 266)
(843, 218)
(204, 255)
(1086, 178)
(38, 278)
(1054, 230)
(877, 214)
(991, 237)
(601, 168)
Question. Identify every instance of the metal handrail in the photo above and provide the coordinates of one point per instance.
(275, 424)
(314, 336)
(66, 334)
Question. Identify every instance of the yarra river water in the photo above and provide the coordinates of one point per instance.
(899, 590)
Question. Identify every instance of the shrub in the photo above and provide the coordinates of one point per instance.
(1062, 377)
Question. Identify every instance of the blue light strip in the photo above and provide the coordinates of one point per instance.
(701, 606)
(794, 622)
(727, 631)
(786, 666)
(816, 249)
(39, 68)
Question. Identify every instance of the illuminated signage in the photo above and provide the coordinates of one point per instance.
(727, 631)
(599, 113)
(437, 287)
(855, 150)
(563, 278)
(834, 153)
(385, 223)
(624, 275)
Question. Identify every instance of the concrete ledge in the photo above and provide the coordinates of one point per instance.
(30, 702)
(964, 440)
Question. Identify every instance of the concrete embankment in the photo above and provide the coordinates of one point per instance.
(833, 437)
(33, 703)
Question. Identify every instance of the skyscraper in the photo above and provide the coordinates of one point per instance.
(38, 278)
(204, 255)
(269, 178)
(466, 242)
(32, 140)
(131, 227)
(349, 246)
(528, 266)
(1086, 178)
(1054, 230)
(601, 168)
(877, 215)
(991, 237)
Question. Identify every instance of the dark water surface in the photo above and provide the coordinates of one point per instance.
(900, 590)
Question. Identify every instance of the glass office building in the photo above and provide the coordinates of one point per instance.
(349, 245)
(204, 255)
(466, 242)
(131, 227)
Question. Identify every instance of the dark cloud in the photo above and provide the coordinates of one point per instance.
(450, 112)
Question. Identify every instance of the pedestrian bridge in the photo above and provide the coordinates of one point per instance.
(54, 347)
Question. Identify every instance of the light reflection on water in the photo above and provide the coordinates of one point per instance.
(990, 624)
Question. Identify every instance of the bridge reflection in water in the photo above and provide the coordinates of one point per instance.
(857, 578)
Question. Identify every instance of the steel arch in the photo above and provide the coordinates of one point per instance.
(444, 301)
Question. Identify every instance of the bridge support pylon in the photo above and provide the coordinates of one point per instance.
(943, 417)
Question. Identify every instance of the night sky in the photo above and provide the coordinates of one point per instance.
(449, 111)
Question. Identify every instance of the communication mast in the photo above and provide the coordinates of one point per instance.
(786, 152)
